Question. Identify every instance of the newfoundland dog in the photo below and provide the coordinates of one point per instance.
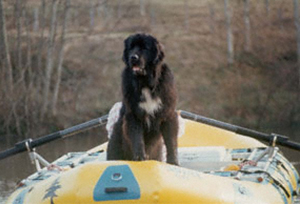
(147, 118)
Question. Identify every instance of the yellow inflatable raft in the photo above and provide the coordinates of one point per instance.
(216, 166)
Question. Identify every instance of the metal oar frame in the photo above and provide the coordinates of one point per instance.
(29, 144)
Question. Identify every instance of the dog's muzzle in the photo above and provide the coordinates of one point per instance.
(137, 65)
(134, 58)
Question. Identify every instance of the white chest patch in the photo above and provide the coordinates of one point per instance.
(150, 105)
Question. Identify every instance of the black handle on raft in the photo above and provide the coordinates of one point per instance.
(30, 144)
(280, 139)
(116, 190)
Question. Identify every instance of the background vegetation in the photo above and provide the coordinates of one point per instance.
(233, 60)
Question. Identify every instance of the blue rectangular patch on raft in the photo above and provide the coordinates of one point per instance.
(117, 183)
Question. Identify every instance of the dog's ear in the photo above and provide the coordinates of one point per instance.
(159, 58)
(127, 43)
(160, 52)
(125, 53)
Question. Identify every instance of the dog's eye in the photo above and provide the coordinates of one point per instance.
(147, 48)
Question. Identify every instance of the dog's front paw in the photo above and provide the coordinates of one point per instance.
(173, 161)
(140, 156)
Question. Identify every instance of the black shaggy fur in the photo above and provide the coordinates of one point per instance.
(147, 117)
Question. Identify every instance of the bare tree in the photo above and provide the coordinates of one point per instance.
(5, 57)
(186, 20)
(142, 8)
(230, 50)
(6, 65)
(152, 14)
(119, 11)
(28, 114)
(106, 11)
(75, 16)
(212, 18)
(61, 57)
(297, 24)
(49, 60)
(28, 64)
(92, 15)
(267, 6)
(247, 26)
(36, 19)
(19, 33)
(280, 18)
(41, 45)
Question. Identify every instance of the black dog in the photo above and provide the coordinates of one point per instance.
(149, 100)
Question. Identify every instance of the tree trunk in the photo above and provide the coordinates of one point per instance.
(19, 33)
(29, 114)
(49, 60)
(75, 16)
(212, 18)
(153, 14)
(142, 8)
(92, 16)
(186, 9)
(230, 50)
(41, 43)
(247, 26)
(5, 57)
(36, 19)
(297, 24)
(5, 66)
(119, 12)
(61, 57)
(267, 7)
(106, 12)
(280, 18)
(40, 74)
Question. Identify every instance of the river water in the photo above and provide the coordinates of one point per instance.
(18, 167)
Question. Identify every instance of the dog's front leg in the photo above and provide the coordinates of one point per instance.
(133, 130)
(114, 148)
(169, 130)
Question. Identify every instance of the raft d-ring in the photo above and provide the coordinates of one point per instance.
(116, 176)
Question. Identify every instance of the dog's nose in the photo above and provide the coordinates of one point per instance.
(134, 57)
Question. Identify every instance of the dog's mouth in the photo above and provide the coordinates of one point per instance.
(138, 70)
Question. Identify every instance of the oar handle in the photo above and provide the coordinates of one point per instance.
(280, 139)
(30, 144)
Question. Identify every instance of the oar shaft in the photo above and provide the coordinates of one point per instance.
(290, 144)
(23, 146)
(10, 152)
(70, 131)
(281, 140)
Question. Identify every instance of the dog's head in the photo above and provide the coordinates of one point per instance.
(142, 53)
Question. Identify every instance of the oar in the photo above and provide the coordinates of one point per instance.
(280, 139)
(30, 144)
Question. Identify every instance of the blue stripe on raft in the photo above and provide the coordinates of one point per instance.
(117, 183)
(20, 198)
